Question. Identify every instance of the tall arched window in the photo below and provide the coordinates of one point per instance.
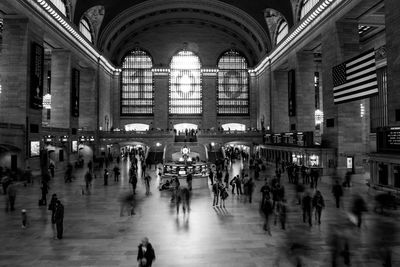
(85, 29)
(282, 31)
(60, 5)
(137, 84)
(233, 85)
(306, 6)
(185, 84)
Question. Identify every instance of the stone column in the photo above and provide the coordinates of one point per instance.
(254, 98)
(105, 113)
(280, 108)
(392, 17)
(88, 100)
(161, 94)
(303, 63)
(209, 100)
(340, 43)
(116, 100)
(264, 101)
(14, 69)
(61, 88)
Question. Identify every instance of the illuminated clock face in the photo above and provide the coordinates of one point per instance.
(185, 150)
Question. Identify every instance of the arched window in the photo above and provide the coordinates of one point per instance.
(233, 85)
(282, 31)
(185, 84)
(306, 6)
(137, 84)
(85, 29)
(61, 6)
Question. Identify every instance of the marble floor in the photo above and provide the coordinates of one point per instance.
(96, 235)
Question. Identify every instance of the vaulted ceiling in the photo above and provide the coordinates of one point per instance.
(208, 27)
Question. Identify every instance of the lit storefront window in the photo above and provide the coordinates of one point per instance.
(233, 85)
(137, 94)
(185, 96)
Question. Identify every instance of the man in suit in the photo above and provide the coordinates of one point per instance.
(146, 254)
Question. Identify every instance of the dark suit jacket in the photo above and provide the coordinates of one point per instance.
(149, 255)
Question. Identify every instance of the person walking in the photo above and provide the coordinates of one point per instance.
(318, 204)
(267, 210)
(226, 180)
(359, 206)
(238, 184)
(146, 254)
(45, 190)
(189, 179)
(250, 188)
(51, 169)
(133, 179)
(307, 207)
(211, 176)
(106, 177)
(116, 173)
(24, 217)
(147, 179)
(265, 193)
(337, 192)
(11, 196)
(224, 195)
(52, 208)
(88, 181)
(233, 184)
(216, 191)
(59, 219)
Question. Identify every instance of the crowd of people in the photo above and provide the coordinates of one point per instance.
(274, 205)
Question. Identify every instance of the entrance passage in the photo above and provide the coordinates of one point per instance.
(182, 127)
(234, 127)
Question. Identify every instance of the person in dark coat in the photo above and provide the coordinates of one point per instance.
(146, 254)
(189, 179)
(318, 204)
(52, 208)
(359, 206)
(59, 219)
(337, 193)
(306, 205)
(106, 177)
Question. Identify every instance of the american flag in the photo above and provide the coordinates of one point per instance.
(355, 79)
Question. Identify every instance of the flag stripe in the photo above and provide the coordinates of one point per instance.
(355, 82)
(355, 96)
(368, 70)
(357, 89)
(360, 58)
(363, 65)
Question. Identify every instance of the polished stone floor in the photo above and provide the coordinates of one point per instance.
(96, 235)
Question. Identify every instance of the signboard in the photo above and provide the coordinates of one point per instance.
(393, 138)
(349, 162)
(74, 146)
(34, 150)
(388, 139)
(36, 76)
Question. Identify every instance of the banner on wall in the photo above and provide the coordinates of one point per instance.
(292, 93)
(75, 93)
(36, 76)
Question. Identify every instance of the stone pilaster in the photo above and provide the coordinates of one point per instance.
(264, 101)
(161, 89)
(209, 101)
(61, 88)
(392, 17)
(88, 100)
(280, 109)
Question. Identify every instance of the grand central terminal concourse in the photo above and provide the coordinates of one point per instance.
(217, 133)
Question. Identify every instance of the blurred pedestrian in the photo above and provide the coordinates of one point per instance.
(52, 208)
(358, 208)
(146, 254)
(147, 179)
(307, 207)
(189, 179)
(318, 204)
(106, 177)
(59, 219)
(24, 219)
(337, 193)
(224, 195)
(216, 192)
(11, 196)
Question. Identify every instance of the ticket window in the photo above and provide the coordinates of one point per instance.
(314, 160)
(383, 174)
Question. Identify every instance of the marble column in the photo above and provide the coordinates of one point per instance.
(280, 108)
